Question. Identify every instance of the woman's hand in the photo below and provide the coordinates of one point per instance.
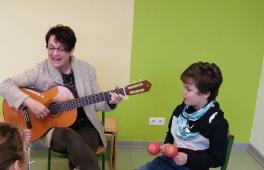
(39, 109)
(115, 98)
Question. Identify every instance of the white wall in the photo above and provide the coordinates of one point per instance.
(103, 29)
(257, 137)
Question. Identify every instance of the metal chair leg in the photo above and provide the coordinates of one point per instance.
(103, 161)
(49, 159)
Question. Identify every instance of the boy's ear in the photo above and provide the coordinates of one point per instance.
(207, 95)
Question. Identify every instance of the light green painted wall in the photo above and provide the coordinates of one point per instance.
(169, 35)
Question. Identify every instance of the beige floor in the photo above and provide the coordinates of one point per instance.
(128, 159)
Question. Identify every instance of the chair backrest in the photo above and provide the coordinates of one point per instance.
(103, 119)
(1, 117)
(230, 142)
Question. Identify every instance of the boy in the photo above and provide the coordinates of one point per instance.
(197, 126)
(13, 145)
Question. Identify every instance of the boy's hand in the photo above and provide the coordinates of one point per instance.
(180, 158)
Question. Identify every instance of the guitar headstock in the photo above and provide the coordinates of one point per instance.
(136, 88)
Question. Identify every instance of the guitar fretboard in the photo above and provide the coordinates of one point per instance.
(82, 101)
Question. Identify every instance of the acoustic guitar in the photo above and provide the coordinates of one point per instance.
(62, 105)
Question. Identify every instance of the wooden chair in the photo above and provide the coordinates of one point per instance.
(228, 151)
(111, 132)
(1, 117)
(100, 150)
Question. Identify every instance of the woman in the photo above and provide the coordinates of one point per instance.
(81, 140)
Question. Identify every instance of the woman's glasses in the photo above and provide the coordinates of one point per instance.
(59, 50)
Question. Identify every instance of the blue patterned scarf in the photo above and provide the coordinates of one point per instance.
(183, 128)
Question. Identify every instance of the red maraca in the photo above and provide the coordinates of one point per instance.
(170, 151)
(153, 148)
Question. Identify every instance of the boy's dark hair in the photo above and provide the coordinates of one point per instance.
(64, 35)
(206, 76)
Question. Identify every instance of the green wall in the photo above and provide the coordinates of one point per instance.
(169, 35)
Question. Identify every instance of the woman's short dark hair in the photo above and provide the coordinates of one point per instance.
(63, 34)
(206, 76)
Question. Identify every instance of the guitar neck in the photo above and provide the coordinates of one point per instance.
(83, 101)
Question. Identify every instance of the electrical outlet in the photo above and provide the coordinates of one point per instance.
(156, 121)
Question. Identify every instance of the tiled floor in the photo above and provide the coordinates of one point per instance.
(128, 159)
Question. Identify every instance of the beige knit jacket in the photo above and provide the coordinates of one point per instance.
(44, 76)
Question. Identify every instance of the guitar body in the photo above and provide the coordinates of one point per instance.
(41, 125)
